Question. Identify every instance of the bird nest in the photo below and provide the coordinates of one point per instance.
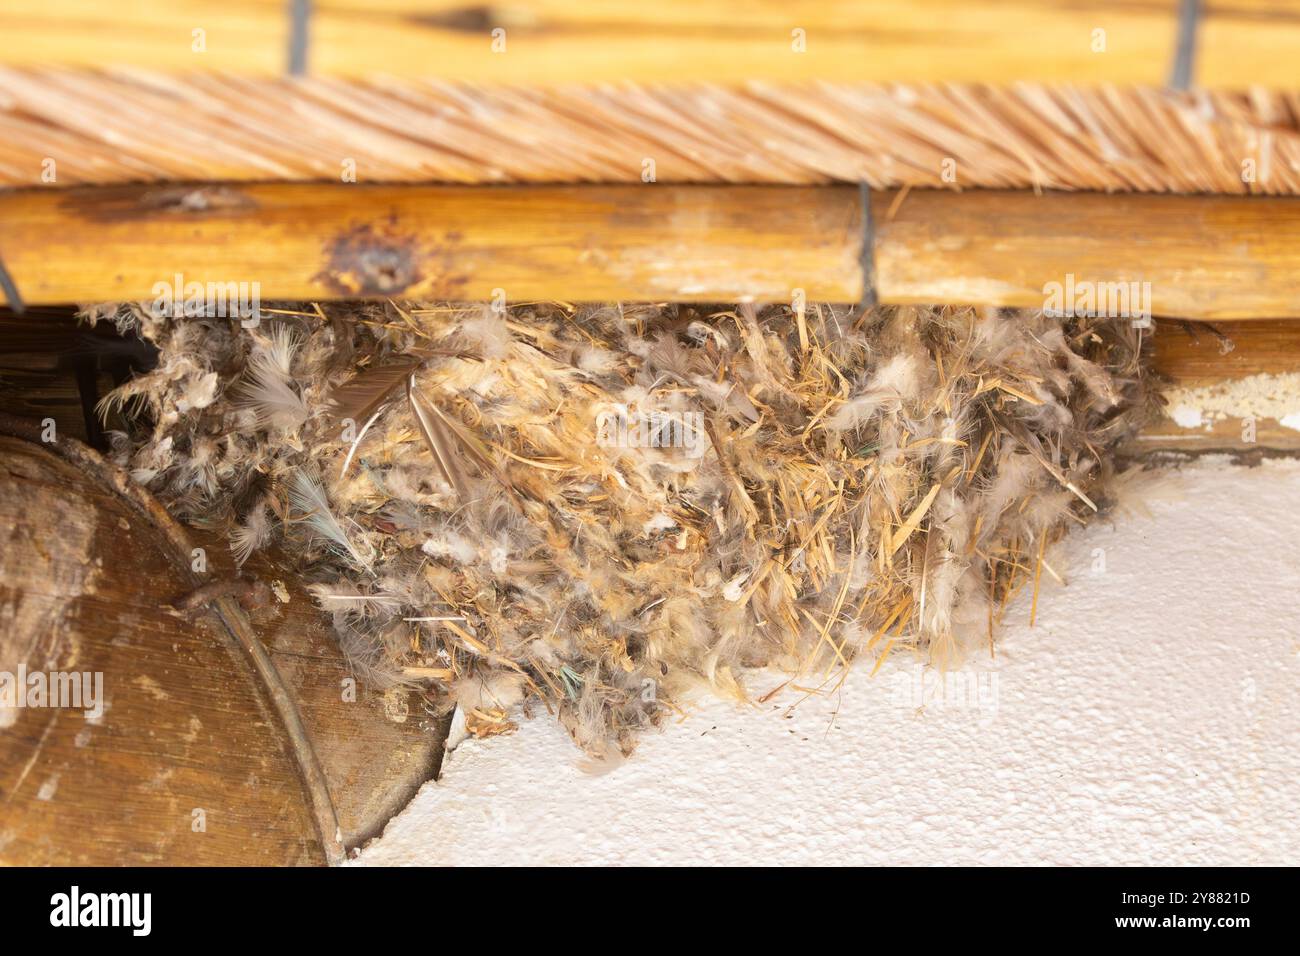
(599, 510)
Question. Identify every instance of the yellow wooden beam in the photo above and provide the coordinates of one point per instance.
(312, 241)
(1240, 42)
(1202, 257)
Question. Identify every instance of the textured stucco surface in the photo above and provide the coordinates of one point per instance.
(1151, 716)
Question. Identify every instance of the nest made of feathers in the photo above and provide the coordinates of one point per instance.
(600, 509)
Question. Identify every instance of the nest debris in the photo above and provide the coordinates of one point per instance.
(602, 509)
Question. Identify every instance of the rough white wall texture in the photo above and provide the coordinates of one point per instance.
(1151, 717)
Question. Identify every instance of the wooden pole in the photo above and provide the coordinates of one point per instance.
(1197, 257)
(1191, 257)
(310, 241)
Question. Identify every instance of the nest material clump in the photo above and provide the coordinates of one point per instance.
(602, 508)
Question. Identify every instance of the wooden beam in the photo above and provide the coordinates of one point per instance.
(1199, 257)
(1240, 42)
(1235, 388)
(1193, 257)
(310, 241)
(554, 41)
(1197, 356)
(1244, 43)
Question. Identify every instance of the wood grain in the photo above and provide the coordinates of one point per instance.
(1200, 257)
(557, 41)
(560, 41)
(1243, 43)
(1204, 257)
(1192, 356)
(184, 730)
(245, 36)
(86, 576)
(375, 748)
(1240, 42)
(1224, 435)
(307, 241)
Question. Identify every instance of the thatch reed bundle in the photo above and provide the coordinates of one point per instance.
(135, 126)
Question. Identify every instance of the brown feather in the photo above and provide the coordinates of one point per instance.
(361, 396)
(462, 438)
(430, 422)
